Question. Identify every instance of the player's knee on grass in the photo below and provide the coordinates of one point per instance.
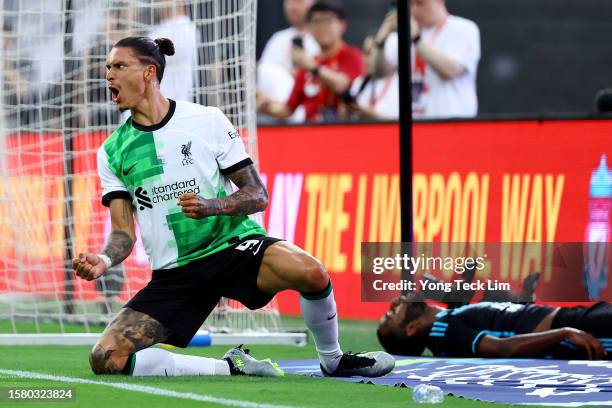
(107, 360)
(128, 333)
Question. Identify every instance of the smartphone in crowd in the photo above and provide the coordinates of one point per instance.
(298, 42)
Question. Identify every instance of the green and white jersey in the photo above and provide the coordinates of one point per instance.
(193, 149)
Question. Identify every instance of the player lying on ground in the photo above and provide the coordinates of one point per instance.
(171, 164)
(491, 329)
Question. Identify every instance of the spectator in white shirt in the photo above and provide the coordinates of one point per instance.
(445, 55)
(374, 95)
(276, 69)
(278, 48)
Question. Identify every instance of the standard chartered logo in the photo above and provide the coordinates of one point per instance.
(142, 198)
(167, 192)
(172, 191)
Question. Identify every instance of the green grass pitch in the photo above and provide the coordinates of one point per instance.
(289, 391)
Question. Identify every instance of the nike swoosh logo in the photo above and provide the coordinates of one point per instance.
(331, 317)
(126, 171)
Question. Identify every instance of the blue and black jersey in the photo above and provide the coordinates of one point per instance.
(457, 332)
(595, 319)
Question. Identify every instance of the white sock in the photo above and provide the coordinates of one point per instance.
(316, 311)
(156, 361)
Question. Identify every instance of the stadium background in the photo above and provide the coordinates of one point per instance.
(342, 188)
(474, 181)
(538, 56)
(540, 60)
(334, 185)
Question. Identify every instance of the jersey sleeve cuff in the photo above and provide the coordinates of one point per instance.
(477, 339)
(241, 164)
(106, 198)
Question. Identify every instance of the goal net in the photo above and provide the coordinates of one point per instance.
(56, 111)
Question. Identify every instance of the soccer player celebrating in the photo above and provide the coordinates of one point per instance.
(171, 165)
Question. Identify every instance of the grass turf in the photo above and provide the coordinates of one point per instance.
(295, 391)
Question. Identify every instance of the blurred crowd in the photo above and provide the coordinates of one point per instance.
(53, 72)
(53, 69)
(308, 73)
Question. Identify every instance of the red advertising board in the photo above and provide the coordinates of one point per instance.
(333, 187)
(473, 181)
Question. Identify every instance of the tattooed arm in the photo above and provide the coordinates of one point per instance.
(250, 198)
(123, 236)
(118, 245)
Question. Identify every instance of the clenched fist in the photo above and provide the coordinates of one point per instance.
(195, 206)
(88, 266)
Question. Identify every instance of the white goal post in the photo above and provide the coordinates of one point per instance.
(56, 112)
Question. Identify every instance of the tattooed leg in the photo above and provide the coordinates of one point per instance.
(128, 333)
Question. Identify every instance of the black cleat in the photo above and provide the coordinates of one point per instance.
(529, 287)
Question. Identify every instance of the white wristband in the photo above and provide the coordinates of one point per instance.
(107, 261)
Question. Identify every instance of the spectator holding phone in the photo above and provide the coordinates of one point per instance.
(320, 80)
(374, 95)
(445, 55)
(278, 48)
(275, 69)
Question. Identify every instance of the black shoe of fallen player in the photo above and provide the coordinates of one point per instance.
(372, 364)
(529, 287)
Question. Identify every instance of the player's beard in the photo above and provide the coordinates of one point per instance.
(122, 109)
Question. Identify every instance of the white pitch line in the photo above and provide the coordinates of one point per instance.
(141, 388)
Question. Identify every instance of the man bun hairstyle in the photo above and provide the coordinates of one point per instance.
(149, 51)
(165, 46)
